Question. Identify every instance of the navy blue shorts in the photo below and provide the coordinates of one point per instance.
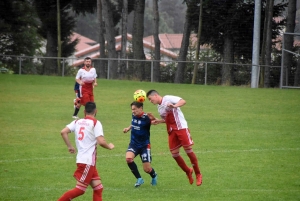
(144, 152)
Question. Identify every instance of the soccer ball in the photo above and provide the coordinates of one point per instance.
(139, 95)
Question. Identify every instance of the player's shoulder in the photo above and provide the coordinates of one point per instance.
(169, 96)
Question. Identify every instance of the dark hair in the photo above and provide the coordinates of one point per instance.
(152, 91)
(137, 104)
(87, 58)
(90, 107)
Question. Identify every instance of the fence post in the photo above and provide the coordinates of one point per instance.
(63, 68)
(151, 70)
(20, 64)
(205, 73)
(108, 66)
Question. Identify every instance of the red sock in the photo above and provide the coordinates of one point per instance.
(75, 192)
(181, 162)
(97, 195)
(194, 161)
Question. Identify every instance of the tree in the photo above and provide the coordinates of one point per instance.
(101, 41)
(266, 50)
(198, 42)
(47, 12)
(173, 12)
(297, 73)
(228, 28)
(289, 40)
(156, 67)
(18, 30)
(188, 26)
(124, 39)
(110, 34)
(137, 38)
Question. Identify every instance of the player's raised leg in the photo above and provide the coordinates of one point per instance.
(194, 161)
(75, 192)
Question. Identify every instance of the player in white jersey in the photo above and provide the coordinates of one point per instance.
(88, 133)
(86, 78)
(177, 128)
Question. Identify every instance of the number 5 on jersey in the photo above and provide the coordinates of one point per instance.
(81, 133)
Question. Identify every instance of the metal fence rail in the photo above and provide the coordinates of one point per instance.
(208, 73)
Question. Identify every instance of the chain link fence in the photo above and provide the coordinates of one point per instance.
(208, 73)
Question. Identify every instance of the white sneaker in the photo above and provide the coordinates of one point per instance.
(75, 117)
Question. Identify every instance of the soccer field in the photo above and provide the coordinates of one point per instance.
(247, 142)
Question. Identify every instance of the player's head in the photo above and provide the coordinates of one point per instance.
(87, 62)
(153, 96)
(90, 109)
(137, 108)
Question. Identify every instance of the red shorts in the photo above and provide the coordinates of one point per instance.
(86, 97)
(86, 173)
(178, 138)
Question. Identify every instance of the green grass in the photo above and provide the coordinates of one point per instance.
(247, 142)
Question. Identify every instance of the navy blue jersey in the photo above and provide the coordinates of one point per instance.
(76, 86)
(140, 131)
(77, 90)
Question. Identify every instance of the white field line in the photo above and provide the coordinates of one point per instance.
(122, 155)
(161, 189)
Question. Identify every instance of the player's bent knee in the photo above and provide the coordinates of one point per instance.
(188, 150)
(82, 188)
(174, 155)
(147, 167)
(129, 160)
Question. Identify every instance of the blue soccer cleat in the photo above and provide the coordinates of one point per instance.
(139, 182)
(154, 181)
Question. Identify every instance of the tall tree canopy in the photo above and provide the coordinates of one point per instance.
(47, 12)
(18, 28)
(228, 28)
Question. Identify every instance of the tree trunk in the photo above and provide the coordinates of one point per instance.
(198, 43)
(124, 39)
(297, 74)
(101, 63)
(51, 51)
(227, 58)
(156, 66)
(110, 38)
(179, 76)
(137, 39)
(263, 46)
(268, 43)
(289, 40)
(58, 38)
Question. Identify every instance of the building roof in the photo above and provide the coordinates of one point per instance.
(83, 43)
(170, 45)
(171, 41)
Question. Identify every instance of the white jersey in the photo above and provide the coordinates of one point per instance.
(86, 131)
(86, 76)
(173, 117)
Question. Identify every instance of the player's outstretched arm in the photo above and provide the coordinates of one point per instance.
(64, 134)
(125, 130)
(102, 142)
(151, 116)
(180, 103)
(158, 121)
